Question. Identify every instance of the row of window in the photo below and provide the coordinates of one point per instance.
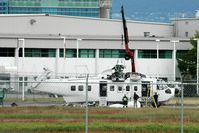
(33, 52)
(58, 0)
(54, 3)
(87, 12)
(80, 88)
(87, 53)
(95, 15)
(3, 4)
(111, 88)
(50, 9)
(164, 54)
(111, 53)
(23, 0)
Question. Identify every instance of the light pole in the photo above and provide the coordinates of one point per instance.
(64, 46)
(174, 58)
(77, 54)
(23, 50)
(197, 75)
(78, 39)
(157, 47)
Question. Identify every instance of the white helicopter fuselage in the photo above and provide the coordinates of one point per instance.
(74, 90)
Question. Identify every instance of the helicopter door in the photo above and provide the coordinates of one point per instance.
(146, 89)
(103, 89)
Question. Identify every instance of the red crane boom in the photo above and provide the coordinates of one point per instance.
(129, 53)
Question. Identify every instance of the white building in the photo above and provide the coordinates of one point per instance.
(98, 42)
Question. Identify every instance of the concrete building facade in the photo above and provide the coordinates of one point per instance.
(73, 45)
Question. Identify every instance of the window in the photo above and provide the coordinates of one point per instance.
(128, 88)
(119, 88)
(87, 53)
(168, 91)
(81, 88)
(146, 34)
(7, 52)
(25, 81)
(111, 53)
(71, 53)
(165, 54)
(73, 88)
(147, 54)
(186, 34)
(61, 52)
(135, 88)
(112, 88)
(89, 88)
(35, 52)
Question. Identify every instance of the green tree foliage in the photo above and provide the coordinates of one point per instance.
(187, 63)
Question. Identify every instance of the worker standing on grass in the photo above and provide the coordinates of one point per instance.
(125, 101)
(135, 98)
(155, 96)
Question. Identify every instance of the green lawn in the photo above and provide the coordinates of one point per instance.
(106, 120)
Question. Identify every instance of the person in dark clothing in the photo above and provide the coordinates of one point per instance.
(135, 98)
(125, 101)
(155, 96)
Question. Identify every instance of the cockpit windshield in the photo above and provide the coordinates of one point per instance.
(161, 84)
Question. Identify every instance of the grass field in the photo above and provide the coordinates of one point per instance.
(101, 120)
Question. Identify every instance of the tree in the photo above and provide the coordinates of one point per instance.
(187, 63)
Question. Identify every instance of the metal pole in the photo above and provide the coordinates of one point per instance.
(17, 55)
(174, 59)
(182, 106)
(23, 91)
(197, 66)
(23, 50)
(157, 46)
(64, 46)
(87, 103)
(77, 56)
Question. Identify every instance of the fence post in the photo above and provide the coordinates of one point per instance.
(182, 107)
(87, 103)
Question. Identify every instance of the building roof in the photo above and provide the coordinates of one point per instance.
(78, 17)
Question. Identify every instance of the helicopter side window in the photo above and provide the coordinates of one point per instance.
(127, 88)
(119, 88)
(112, 88)
(168, 91)
(89, 88)
(73, 88)
(135, 88)
(81, 88)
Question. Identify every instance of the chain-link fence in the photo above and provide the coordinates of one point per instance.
(178, 101)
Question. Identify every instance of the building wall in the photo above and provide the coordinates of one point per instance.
(34, 65)
(47, 32)
(186, 27)
(70, 26)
